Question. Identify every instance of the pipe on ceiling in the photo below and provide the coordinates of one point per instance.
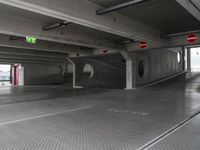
(119, 6)
(181, 33)
(55, 25)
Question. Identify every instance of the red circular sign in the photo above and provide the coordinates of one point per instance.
(191, 38)
(104, 50)
(143, 44)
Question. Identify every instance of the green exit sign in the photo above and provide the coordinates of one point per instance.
(31, 40)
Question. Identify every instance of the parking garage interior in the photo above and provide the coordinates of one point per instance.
(99, 75)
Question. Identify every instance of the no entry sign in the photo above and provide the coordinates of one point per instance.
(104, 50)
(143, 44)
(191, 38)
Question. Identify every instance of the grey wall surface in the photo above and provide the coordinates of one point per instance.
(42, 74)
(68, 75)
(109, 71)
(159, 64)
(68, 78)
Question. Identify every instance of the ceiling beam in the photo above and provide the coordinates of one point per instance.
(55, 25)
(13, 61)
(35, 58)
(180, 33)
(12, 25)
(180, 40)
(196, 3)
(72, 11)
(191, 6)
(25, 52)
(119, 6)
(42, 45)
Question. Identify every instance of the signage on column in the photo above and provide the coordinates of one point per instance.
(191, 38)
(143, 44)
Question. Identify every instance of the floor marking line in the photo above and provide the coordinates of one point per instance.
(167, 133)
(46, 115)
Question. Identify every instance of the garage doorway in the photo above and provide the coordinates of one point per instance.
(5, 75)
(195, 59)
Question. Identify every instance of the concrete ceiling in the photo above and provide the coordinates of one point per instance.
(12, 11)
(143, 21)
(93, 32)
(165, 15)
(108, 3)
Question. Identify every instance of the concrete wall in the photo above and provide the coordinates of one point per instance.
(159, 64)
(109, 71)
(68, 78)
(42, 74)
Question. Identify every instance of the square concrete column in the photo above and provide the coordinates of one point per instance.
(21, 75)
(129, 74)
(130, 71)
(74, 71)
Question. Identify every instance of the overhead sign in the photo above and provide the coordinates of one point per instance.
(31, 40)
(143, 44)
(191, 38)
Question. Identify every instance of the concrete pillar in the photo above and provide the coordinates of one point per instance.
(21, 75)
(74, 72)
(74, 76)
(129, 74)
(188, 59)
(183, 59)
(130, 71)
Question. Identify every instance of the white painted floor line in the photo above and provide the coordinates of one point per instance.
(46, 115)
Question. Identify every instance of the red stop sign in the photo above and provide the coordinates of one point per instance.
(191, 38)
(143, 44)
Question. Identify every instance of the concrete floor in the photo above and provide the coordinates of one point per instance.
(60, 118)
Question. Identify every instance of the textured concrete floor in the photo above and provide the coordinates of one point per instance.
(60, 118)
(185, 138)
